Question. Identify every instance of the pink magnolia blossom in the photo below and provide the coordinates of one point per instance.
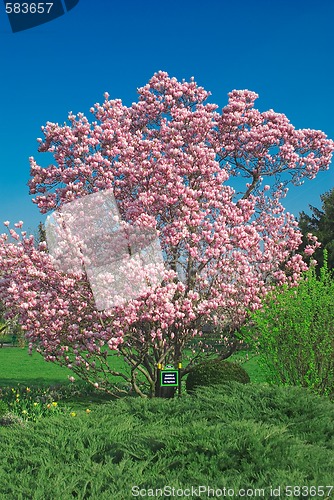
(171, 159)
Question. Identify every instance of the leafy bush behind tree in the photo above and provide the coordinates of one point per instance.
(295, 333)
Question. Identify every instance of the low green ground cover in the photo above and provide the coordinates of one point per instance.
(84, 445)
(235, 436)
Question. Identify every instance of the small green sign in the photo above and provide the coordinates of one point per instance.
(169, 378)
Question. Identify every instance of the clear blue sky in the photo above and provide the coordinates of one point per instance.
(281, 49)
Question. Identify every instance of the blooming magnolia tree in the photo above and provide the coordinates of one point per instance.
(169, 159)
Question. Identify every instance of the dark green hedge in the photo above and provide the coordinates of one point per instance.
(215, 372)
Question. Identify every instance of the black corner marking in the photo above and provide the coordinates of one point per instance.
(24, 15)
(70, 4)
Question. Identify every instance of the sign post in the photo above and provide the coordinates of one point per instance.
(179, 366)
(168, 379)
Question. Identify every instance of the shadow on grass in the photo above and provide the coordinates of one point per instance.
(78, 396)
(29, 382)
(84, 401)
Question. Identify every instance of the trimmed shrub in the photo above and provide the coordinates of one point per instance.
(215, 372)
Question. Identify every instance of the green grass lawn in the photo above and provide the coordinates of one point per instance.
(18, 367)
(250, 362)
